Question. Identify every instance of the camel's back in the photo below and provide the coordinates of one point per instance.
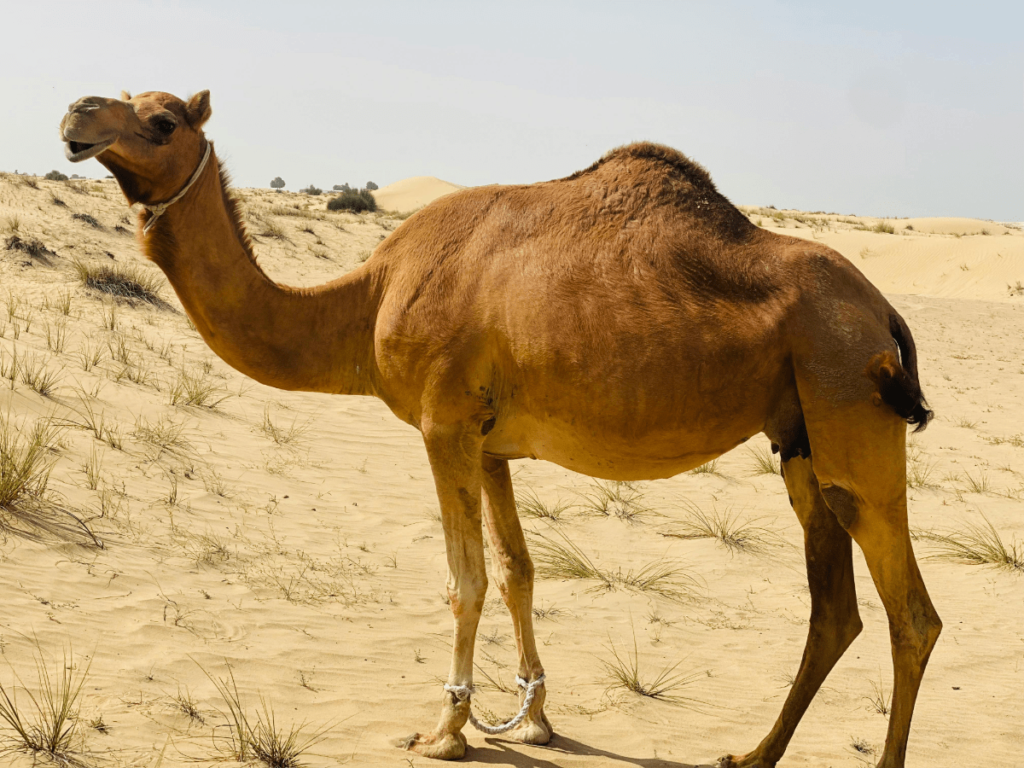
(643, 213)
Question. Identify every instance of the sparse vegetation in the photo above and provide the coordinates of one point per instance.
(281, 435)
(624, 670)
(55, 176)
(194, 387)
(765, 462)
(126, 281)
(726, 528)
(565, 560)
(48, 727)
(708, 468)
(26, 457)
(351, 200)
(528, 504)
(977, 544)
(622, 500)
(256, 738)
(86, 218)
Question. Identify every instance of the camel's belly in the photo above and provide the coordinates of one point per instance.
(655, 455)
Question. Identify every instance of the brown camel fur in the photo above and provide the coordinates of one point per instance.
(626, 322)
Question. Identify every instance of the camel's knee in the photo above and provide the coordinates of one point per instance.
(515, 576)
(467, 594)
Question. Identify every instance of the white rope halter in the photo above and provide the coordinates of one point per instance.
(463, 692)
(158, 209)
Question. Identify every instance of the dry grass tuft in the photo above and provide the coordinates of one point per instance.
(48, 727)
(708, 468)
(726, 528)
(610, 498)
(977, 544)
(565, 560)
(26, 459)
(880, 700)
(281, 435)
(624, 670)
(765, 462)
(196, 388)
(528, 504)
(256, 738)
(126, 281)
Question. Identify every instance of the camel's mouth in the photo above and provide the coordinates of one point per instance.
(77, 151)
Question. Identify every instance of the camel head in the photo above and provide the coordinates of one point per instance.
(151, 143)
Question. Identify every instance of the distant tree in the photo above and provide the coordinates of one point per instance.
(352, 200)
(371, 186)
(311, 190)
(342, 188)
(277, 183)
(55, 176)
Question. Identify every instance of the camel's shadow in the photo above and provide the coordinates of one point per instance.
(500, 752)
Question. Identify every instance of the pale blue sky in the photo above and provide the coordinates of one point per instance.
(875, 108)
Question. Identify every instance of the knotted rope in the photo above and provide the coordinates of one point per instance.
(158, 209)
(463, 692)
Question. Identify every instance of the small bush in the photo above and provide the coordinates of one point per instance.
(126, 281)
(884, 227)
(353, 201)
(85, 218)
(311, 190)
(371, 186)
(55, 176)
(32, 248)
(342, 188)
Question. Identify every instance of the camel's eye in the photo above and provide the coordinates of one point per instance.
(165, 126)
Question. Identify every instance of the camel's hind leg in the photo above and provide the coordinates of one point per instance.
(513, 570)
(860, 463)
(835, 621)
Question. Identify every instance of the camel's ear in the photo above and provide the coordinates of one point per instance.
(198, 109)
(126, 96)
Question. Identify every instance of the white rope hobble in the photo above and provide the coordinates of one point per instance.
(464, 692)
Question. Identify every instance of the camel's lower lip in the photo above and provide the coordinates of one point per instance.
(77, 151)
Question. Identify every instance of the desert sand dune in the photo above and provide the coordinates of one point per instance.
(411, 194)
(296, 536)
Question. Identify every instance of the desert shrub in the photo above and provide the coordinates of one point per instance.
(277, 183)
(884, 227)
(342, 188)
(85, 218)
(123, 280)
(371, 186)
(353, 201)
(55, 176)
(33, 248)
(311, 190)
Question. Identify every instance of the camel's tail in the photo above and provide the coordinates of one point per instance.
(897, 382)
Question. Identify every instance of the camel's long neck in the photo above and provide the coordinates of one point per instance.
(314, 339)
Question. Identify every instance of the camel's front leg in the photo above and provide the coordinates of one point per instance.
(513, 572)
(455, 461)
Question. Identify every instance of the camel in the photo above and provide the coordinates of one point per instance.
(626, 322)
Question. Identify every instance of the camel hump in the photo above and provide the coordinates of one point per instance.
(648, 153)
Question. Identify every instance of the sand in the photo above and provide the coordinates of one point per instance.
(294, 537)
(411, 194)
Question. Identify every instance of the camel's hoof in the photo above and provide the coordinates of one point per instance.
(530, 732)
(448, 746)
